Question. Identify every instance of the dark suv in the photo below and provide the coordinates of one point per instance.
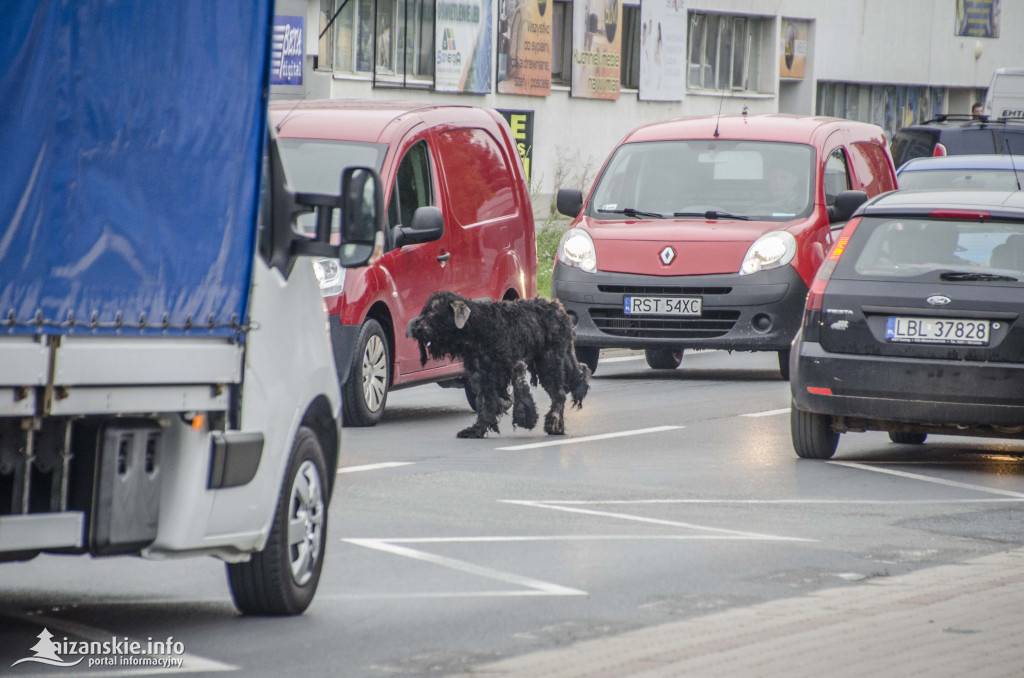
(957, 135)
(915, 323)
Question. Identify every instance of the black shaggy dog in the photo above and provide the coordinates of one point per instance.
(498, 342)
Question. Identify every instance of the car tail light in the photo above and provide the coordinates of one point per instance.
(817, 291)
(940, 151)
(960, 215)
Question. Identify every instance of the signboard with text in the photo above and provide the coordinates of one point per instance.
(286, 51)
(596, 48)
(524, 47)
(463, 43)
(977, 18)
(521, 123)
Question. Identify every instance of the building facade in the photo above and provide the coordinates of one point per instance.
(574, 76)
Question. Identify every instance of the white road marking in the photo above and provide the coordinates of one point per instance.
(734, 534)
(191, 663)
(929, 479)
(621, 358)
(534, 586)
(587, 439)
(373, 467)
(767, 413)
(778, 501)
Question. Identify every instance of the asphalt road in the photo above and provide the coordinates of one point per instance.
(673, 495)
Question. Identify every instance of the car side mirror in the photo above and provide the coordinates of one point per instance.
(846, 204)
(427, 226)
(569, 201)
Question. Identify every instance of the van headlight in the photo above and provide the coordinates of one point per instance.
(771, 250)
(330, 275)
(576, 248)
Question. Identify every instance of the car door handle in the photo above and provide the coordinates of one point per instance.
(444, 257)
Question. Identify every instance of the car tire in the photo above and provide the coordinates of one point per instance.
(907, 438)
(282, 578)
(663, 358)
(784, 364)
(365, 391)
(813, 437)
(588, 355)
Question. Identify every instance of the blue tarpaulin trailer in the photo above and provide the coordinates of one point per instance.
(166, 383)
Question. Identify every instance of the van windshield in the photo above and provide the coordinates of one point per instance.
(315, 165)
(766, 181)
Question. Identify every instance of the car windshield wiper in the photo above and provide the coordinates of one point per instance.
(968, 276)
(712, 214)
(630, 212)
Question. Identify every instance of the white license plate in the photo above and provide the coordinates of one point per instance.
(937, 331)
(661, 305)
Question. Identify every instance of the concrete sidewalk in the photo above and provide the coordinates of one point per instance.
(955, 620)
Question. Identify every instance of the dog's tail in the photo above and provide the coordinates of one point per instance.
(579, 381)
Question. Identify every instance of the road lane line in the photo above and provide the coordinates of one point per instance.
(462, 566)
(621, 358)
(736, 534)
(767, 413)
(587, 439)
(373, 467)
(929, 479)
(777, 501)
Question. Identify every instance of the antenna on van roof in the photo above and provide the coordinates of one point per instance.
(720, 102)
(1013, 161)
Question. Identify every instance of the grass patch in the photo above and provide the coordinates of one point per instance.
(548, 234)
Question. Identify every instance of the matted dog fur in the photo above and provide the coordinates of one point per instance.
(498, 342)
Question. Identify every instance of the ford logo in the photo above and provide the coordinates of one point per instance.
(938, 300)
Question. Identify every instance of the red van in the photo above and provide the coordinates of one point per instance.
(459, 218)
(706, 232)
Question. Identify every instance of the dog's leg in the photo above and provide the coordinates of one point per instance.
(525, 412)
(552, 378)
(488, 403)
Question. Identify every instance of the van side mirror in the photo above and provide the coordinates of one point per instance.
(427, 226)
(846, 204)
(362, 207)
(569, 201)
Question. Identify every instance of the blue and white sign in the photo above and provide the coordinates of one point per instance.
(286, 51)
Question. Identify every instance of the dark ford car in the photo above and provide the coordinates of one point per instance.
(913, 323)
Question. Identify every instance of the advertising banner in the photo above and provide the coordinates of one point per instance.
(596, 48)
(286, 51)
(524, 47)
(463, 40)
(662, 50)
(977, 18)
(793, 49)
(521, 123)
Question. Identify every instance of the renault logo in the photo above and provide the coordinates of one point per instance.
(938, 300)
(667, 256)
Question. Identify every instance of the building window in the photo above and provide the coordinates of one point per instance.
(561, 43)
(400, 49)
(630, 76)
(725, 52)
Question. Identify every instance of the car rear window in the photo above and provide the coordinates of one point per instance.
(963, 141)
(975, 179)
(906, 247)
(912, 143)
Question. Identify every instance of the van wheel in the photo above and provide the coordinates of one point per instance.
(784, 364)
(588, 355)
(907, 438)
(663, 358)
(813, 437)
(282, 578)
(365, 392)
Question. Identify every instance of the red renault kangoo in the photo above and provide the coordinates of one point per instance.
(706, 232)
(458, 218)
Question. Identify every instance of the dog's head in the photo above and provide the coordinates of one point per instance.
(439, 326)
